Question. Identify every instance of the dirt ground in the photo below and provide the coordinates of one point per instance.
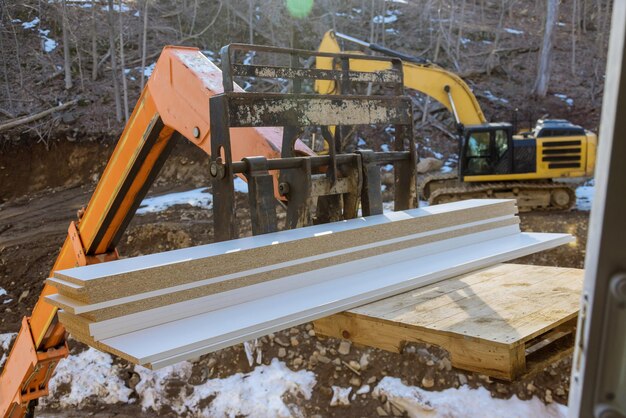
(34, 225)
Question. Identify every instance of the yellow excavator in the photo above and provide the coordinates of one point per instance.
(494, 161)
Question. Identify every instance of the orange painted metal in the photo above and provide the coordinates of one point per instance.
(26, 376)
(176, 99)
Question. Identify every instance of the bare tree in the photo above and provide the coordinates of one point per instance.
(122, 64)
(250, 21)
(67, 60)
(94, 41)
(116, 87)
(574, 26)
(143, 41)
(545, 54)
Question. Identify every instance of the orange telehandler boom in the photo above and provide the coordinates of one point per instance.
(175, 102)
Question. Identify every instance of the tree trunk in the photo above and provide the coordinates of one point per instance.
(250, 21)
(67, 60)
(545, 54)
(122, 64)
(116, 86)
(574, 25)
(143, 43)
(460, 23)
(94, 41)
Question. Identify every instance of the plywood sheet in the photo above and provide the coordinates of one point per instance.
(505, 304)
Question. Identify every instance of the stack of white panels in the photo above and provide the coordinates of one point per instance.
(160, 309)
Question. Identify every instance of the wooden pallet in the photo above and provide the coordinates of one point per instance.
(503, 321)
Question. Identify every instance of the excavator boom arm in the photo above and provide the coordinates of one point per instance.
(426, 78)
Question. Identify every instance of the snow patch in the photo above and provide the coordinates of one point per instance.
(385, 147)
(2, 292)
(584, 195)
(7, 301)
(390, 17)
(258, 393)
(240, 185)
(514, 31)
(465, 41)
(116, 8)
(147, 71)
(88, 374)
(462, 402)
(48, 44)
(31, 24)
(568, 100)
(153, 385)
(493, 98)
(363, 390)
(5, 342)
(197, 197)
(341, 396)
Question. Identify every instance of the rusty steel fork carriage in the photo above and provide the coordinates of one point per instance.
(338, 180)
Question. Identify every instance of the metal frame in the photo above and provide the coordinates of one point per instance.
(336, 180)
(598, 383)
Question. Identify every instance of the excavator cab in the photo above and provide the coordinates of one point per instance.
(486, 149)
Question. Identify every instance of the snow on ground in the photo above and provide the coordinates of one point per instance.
(47, 44)
(390, 17)
(514, 31)
(196, 197)
(240, 185)
(117, 8)
(5, 342)
(341, 396)
(261, 392)
(493, 98)
(200, 198)
(462, 402)
(147, 71)
(2, 292)
(88, 374)
(31, 24)
(584, 195)
(568, 100)
(258, 393)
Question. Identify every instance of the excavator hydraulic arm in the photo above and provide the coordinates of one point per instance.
(445, 87)
(174, 103)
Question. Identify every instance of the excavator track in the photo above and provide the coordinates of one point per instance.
(530, 196)
(432, 182)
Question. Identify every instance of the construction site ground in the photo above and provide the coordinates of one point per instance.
(34, 224)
